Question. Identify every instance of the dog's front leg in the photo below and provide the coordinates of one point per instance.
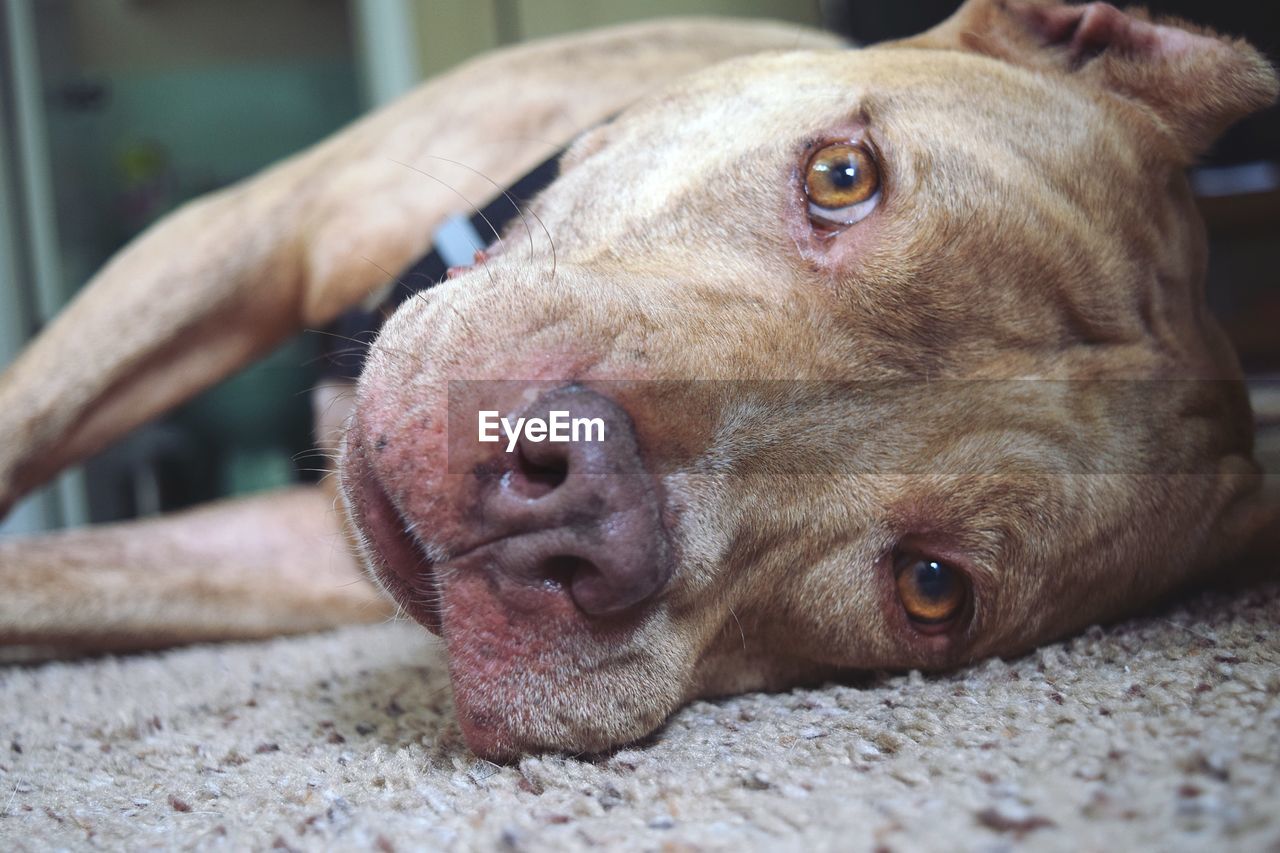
(240, 569)
(190, 301)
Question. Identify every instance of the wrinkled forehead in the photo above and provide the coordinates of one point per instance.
(921, 107)
(924, 100)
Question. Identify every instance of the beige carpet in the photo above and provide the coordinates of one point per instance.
(1160, 734)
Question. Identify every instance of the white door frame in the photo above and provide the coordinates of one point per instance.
(386, 48)
(31, 282)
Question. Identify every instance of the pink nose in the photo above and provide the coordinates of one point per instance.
(584, 514)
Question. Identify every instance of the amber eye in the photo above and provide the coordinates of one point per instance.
(842, 183)
(932, 592)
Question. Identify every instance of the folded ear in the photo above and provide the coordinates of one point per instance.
(1195, 82)
(1250, 532)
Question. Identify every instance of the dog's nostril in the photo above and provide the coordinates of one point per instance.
(561, 570)
(582, 516)
(535, 475)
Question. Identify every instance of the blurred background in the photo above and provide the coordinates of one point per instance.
(113, 112)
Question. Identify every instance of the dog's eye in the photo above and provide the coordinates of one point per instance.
(842, 183)
(932, 593)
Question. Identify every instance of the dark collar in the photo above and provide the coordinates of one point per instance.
(455, 243)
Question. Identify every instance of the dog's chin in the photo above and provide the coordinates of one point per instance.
(530, 671)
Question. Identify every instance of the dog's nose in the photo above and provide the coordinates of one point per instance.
(582, 512)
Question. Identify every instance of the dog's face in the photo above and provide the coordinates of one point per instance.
(881, 341)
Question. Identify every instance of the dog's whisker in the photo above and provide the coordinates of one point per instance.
(315, 452)
(413, 292)
(348, 395)
(367, 344)
(519, 210)
(332, 356)
(310, 454)
(550, 240)
(421, 294)
(1210, 640)
(349, 584)
(740, 631)
(496, 236)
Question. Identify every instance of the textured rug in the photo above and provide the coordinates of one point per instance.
(1161, 733)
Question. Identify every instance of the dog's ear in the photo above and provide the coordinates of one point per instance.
(1250, 532)
(1195, 82)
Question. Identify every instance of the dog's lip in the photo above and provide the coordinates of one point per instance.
(402, 563)
(399, 557)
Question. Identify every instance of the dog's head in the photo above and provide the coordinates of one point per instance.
(900, 356)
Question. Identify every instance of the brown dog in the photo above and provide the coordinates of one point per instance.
(900, 356)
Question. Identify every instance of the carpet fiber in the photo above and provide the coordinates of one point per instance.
(1159, 733)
